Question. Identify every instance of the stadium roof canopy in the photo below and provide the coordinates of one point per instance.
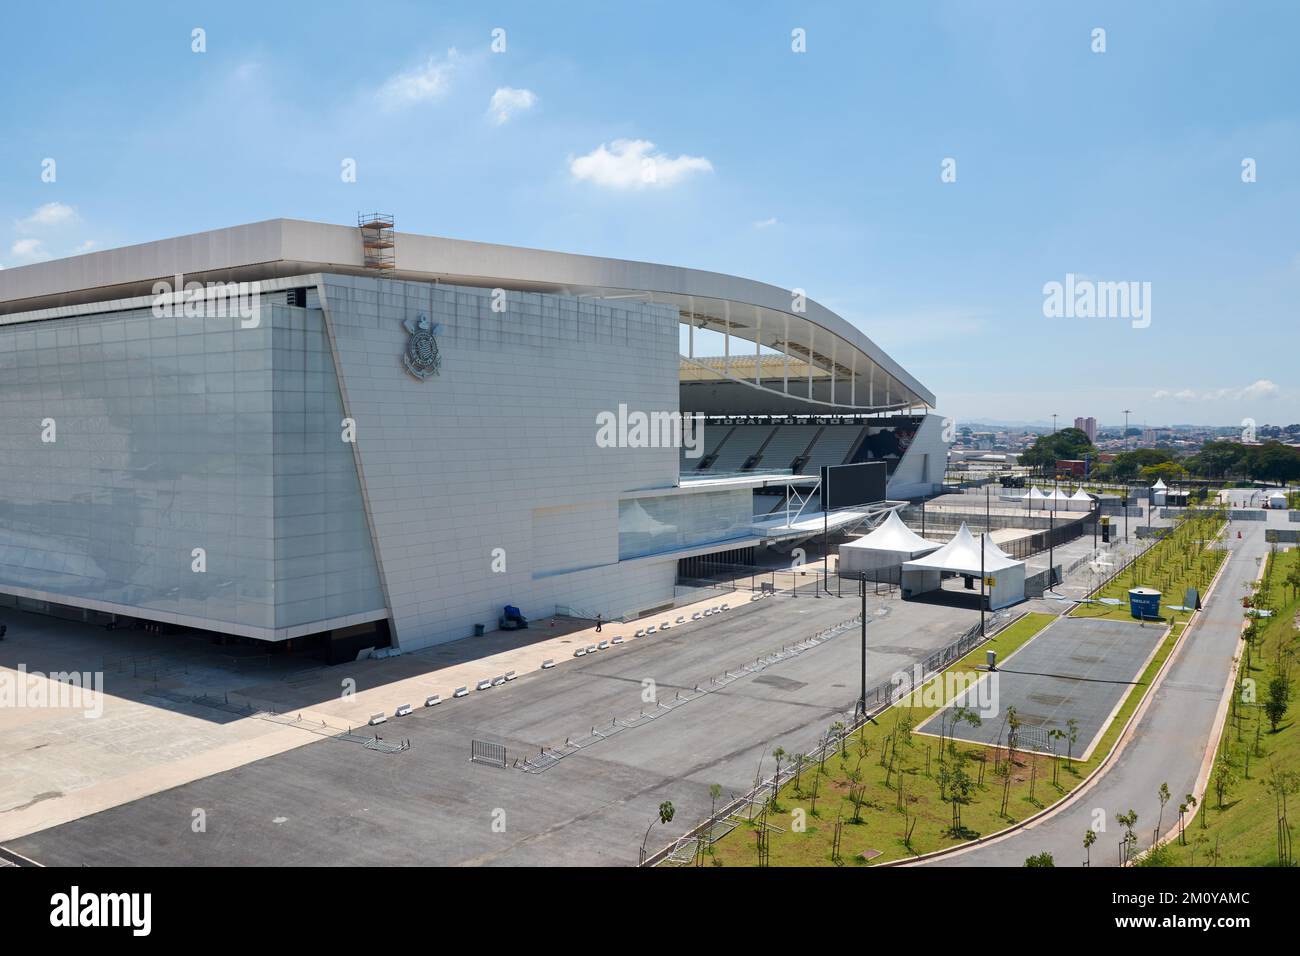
(838, 368)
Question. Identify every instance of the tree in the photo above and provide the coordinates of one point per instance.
(1163, 796)
(1188, 803)
(1068, 444)
(1089, 838)
(954, 777)
(1128, 821)
(1129, 463)
(1275, 705)
(1225, 778)
(1217, 459)
(715, 791)
(665, 817)
(779, 755)
(1281, 783)
(1042, 859)
(1273, 461)
(1293, 579)
(1167, 471)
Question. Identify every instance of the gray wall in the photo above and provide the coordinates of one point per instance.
(178, 433)
(500, 447)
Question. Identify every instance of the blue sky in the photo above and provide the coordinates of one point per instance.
(818, 170)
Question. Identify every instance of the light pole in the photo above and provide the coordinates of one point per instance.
(983, 581)
(1053, 423)
(1051, 541)
(1126, 414)
(862, 701)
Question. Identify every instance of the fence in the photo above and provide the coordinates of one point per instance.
(805, 580)
(880, 698)
(1055, 534)
(484, 751)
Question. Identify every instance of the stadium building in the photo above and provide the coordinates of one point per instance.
(291, 429)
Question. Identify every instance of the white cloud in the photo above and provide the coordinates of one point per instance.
(1260, 389)
(428, 82)
(765, 223)
(30, 250)
(632, 164)
(507, 101)
(86, 246)
(48, 216)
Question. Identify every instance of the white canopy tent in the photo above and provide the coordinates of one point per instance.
(962, 555)
(1054, 500)
(1158, 492)
(1277, 500)
(888, 546)
(1080, 501)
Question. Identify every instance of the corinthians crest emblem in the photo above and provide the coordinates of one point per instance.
(421, 357)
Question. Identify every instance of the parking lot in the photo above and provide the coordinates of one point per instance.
(336, 803)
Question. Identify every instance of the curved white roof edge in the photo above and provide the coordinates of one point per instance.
(279, 247)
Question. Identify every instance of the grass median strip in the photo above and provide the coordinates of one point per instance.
(1244, 820)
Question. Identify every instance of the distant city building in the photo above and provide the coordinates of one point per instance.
(1088, 426)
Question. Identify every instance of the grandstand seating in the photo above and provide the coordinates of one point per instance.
(787, 444)
(741, 443)
(832, 448)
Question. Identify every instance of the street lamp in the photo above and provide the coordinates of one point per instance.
(862, 701)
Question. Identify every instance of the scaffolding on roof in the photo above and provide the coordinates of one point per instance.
(378, 241)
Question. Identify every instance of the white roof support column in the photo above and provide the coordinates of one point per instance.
(812, 337)
(785, 351)
(726, 338)
(833, 371)
(690, 330)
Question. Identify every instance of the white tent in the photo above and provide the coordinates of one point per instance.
(1056, 500)
(888, 546)
(1277, 500)
(1158, 491)
(962, 555)
(1080, 501)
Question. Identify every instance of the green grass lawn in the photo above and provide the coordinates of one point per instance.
(1244, 831)
(898, 824)
(1172, 565)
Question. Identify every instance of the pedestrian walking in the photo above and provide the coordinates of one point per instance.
(598, 623)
